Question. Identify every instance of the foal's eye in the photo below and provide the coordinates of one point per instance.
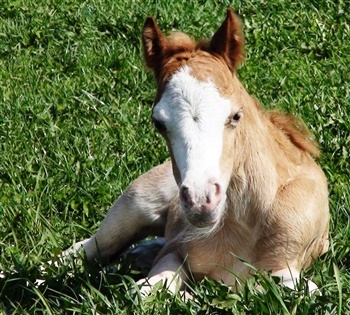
(233, 119)
(236, 116)
(159, 126)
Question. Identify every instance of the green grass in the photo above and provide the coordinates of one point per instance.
(75, 130)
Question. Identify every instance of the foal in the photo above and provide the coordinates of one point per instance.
(241, 185)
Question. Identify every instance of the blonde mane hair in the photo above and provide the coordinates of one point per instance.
(295, 130)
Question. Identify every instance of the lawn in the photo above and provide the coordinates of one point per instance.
(75, 130)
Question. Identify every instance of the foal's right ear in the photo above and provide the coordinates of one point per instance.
(228, 40)
(154, 43)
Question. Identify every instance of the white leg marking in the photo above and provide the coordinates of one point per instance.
(169, 271)
(290, 278)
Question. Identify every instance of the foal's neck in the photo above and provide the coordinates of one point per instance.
(261, 164)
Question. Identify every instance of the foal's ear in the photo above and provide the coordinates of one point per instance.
(228, 40)
(154, 43)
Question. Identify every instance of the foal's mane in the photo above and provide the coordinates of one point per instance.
(295, 130)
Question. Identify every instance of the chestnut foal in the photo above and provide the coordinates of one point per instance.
(241, 185)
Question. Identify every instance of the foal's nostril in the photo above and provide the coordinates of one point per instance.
(217, 189)
(208, 200)
(214, 194)
(185, 196)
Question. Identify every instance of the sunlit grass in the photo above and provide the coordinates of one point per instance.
(75, 130)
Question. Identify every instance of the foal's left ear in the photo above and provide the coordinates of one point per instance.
(228, 40)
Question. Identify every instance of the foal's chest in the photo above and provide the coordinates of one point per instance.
(221, 259)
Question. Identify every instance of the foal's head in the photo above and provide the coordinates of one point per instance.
(198, 106)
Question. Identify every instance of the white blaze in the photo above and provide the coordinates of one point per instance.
(194, 114)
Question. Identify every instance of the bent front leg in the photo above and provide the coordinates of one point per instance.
(169, 270)
(139, 212)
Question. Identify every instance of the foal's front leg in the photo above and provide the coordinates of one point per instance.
(139, 212)
(290, 278)
(297, 232)
(169, 271)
